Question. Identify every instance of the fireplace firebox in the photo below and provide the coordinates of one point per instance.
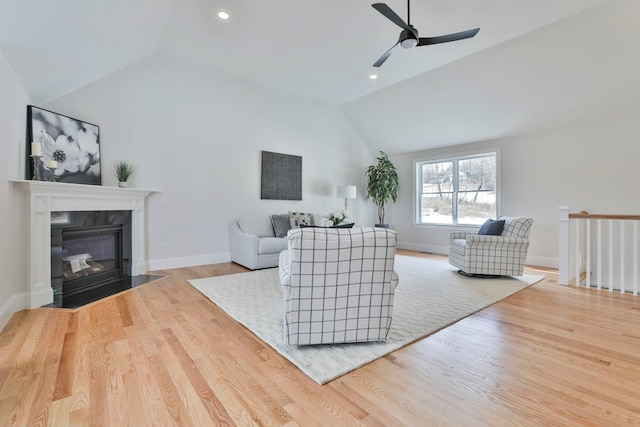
(90, 255)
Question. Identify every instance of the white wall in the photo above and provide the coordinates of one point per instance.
(13, 110)
(197, 137)
(593, 167)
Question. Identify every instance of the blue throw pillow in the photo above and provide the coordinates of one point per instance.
(492, 227)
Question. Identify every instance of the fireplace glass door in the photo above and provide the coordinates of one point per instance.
(91, 257)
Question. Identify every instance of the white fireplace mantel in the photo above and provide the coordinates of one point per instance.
(44, 197)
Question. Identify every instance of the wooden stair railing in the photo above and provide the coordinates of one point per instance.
(580, 225)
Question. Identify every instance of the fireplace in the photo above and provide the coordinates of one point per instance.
(43, 198)
(90, 255)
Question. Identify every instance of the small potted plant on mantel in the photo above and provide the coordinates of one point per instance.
(123, 170)
(382, 184)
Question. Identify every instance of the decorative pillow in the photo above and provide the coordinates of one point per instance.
(298, 218)
(281, 224)
(492, 227)
(517, 226)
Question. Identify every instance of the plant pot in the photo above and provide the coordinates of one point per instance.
(123, 184)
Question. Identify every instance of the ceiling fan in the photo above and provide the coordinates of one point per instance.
(409, 35)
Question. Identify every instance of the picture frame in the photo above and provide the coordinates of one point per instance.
(281, 177)
(73, 144)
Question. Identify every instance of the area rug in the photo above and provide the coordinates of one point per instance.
(430, 296)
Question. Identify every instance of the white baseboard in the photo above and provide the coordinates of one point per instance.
(14, 304)
(542, 261)
(39, 298)
(434, 249)
(169, 263)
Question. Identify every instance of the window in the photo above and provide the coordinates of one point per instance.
(457, 190)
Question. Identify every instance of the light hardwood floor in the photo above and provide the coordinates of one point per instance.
(162, 354)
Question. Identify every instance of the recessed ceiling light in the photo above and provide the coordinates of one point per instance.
(373, 76)
(224, 15)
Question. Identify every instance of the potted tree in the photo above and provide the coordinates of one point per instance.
(123, 170)
(382, 184)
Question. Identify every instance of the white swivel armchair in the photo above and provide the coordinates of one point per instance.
(487, 255)
(338, 285)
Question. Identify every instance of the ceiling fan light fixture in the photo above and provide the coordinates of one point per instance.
(409, 37)
(408, 43)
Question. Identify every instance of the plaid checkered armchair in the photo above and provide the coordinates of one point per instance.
(502, 255)
(338, 285)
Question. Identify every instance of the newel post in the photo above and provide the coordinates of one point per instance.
(563, 249)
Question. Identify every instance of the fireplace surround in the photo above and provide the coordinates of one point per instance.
(43, 198)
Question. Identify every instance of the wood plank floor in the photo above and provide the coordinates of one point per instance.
(162, 354)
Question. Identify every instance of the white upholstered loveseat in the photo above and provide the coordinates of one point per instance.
(338, 285)
(253, 242)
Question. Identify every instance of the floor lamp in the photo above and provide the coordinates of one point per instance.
(346, 192)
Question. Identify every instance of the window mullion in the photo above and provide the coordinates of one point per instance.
(420, 183)
(454, 201)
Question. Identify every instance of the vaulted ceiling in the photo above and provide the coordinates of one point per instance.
(534, 64)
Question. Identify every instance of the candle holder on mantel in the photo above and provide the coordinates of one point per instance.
(52, 178)
(36, 169)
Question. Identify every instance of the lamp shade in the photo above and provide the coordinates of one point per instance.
(346, 191)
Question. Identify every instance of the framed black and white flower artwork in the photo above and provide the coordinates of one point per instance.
(66, 147)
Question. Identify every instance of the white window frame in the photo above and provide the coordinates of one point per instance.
(417, 193)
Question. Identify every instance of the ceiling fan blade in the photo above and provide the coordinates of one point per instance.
(390, 14)
(384, 57)
(424, 41)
